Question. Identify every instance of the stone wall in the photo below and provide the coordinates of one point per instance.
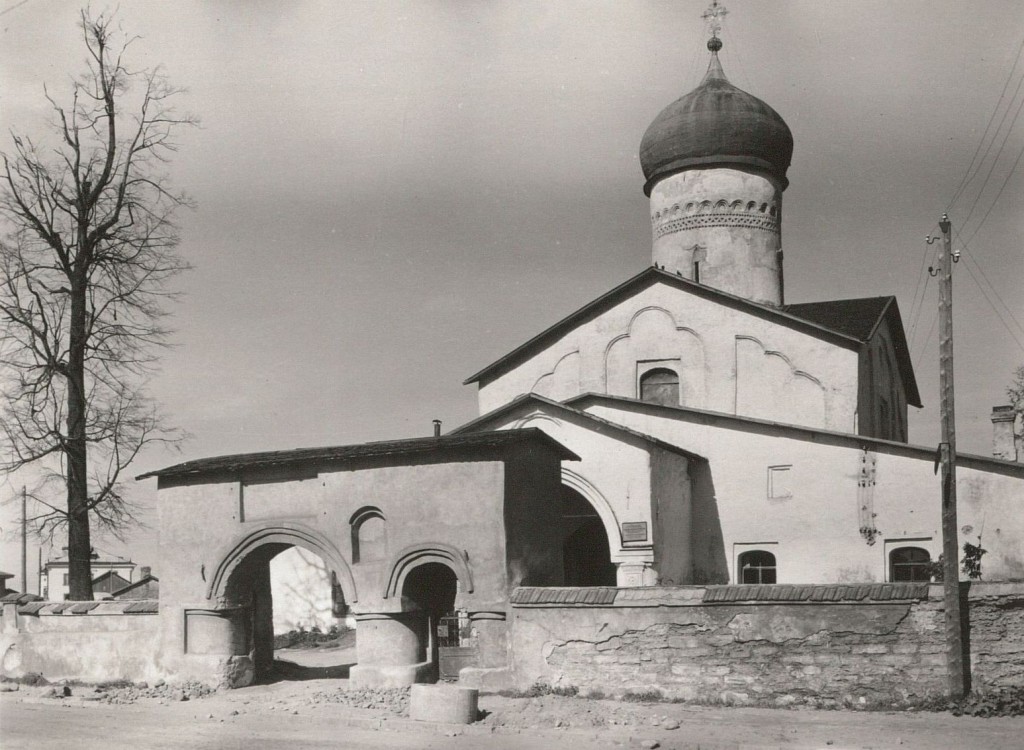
(769, 645)
(93, 641)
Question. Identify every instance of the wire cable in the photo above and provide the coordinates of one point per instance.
(969, 254)
(995, 160)
(984, 135)
(998, 196)
(994, 308)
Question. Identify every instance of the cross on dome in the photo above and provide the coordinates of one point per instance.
(713, 17)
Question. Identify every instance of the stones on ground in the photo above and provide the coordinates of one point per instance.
(392, 700)
(649, 744)
(8, 687)
(670, 724)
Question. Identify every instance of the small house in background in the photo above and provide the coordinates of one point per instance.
(105, 584)
(55, 574)
(4, 588)
(147, 587)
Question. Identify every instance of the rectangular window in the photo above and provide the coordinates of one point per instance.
(780, 482)
(65, 579)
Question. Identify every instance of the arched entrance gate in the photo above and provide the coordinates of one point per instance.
(456, 521)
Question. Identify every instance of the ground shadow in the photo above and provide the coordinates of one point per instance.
(283, 670)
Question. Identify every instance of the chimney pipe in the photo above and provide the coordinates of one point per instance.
(437, 428)
(1005, 433)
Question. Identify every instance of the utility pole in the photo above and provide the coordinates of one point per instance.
(24, 540)
(950, 542)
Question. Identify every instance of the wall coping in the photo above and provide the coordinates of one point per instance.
(101, 607)
(756, 594)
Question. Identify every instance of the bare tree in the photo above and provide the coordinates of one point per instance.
(1015, 390)
(88, 247)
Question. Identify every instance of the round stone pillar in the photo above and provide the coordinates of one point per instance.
(391, 650)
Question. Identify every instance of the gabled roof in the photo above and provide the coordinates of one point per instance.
(111, 574)
(860, 318)
(132, 586)
(646, 278)
(854, 317)
(336, 455)
(600, 425)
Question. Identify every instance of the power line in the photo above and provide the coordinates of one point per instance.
(995, 160)
(924, 346)
(924, 290)
(994, 292)
(994, 308)
(969, 253)
(998, 195)
(992, 117)
(13, 7)
(918, 287)
(981, 270)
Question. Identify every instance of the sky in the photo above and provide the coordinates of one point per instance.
(391, 195)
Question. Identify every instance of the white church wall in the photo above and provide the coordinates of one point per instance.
(788, 376)
(845, 508)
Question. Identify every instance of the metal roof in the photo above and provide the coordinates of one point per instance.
(802, 432)
(716, 125)
(445, 444)
(600, 425)
(860, 319)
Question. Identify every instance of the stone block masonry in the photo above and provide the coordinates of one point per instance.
(766, 645)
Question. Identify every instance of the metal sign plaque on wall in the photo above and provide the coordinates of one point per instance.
(634, 531)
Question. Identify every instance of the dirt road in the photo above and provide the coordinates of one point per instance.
(303, 715)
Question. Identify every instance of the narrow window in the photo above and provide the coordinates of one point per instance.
(700, 255)
(756, 566)
(369, 535)
(65, 579)
(910, 564)
(660, 386)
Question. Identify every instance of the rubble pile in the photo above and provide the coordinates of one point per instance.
(392, 700)
(129, 693)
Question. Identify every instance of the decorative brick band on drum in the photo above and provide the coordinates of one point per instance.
(765, 223)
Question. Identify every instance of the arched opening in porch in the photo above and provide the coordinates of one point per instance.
(586, 552)
(293, 589)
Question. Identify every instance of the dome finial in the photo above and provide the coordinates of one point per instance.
(713, 17)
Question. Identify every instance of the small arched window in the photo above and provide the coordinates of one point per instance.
(910, 564)
(756, 566)
(369, 535)
(660, 386)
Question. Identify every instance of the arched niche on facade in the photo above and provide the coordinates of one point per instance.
(368, 529)
(420, 554)
(265, 542)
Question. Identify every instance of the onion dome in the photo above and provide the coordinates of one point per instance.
(716, 125)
